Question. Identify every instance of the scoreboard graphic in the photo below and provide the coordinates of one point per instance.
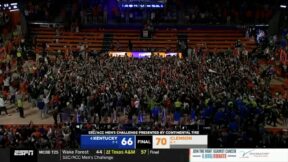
(143, 141)
(143, 146)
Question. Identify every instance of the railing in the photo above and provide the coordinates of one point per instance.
(157, 26)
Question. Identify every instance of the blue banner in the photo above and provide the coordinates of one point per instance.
(108, 142)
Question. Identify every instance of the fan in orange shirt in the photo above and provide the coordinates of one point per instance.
(23, 87)
(1, 79)
(5, 94)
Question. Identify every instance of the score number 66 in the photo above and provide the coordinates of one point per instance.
(128, 142)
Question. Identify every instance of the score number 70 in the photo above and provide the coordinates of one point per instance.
(161, 141)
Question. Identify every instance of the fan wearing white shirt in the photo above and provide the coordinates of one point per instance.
(2, 106)
(7, 83)
(137, 104)
(46, 102)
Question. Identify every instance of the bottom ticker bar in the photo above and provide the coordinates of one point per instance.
(139, 155)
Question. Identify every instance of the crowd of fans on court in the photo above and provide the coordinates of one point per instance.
(229, 93)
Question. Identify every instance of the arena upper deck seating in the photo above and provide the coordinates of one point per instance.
(219, 39)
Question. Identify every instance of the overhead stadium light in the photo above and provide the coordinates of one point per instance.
(283, 6)
(9, 6)
(14, 10)
(142, 3)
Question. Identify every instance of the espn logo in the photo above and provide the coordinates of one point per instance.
(23, 152)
